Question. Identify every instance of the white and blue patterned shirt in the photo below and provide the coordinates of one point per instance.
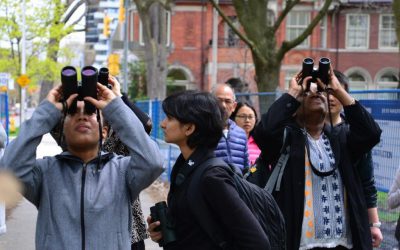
(325, 221)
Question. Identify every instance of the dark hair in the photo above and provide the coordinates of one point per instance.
(203, 110)
(239, 106)
(344, 80)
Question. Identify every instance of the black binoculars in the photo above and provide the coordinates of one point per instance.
(87, 87)
(159, 212)
(322, 72)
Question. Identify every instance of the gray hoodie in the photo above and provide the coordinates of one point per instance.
(61, 187)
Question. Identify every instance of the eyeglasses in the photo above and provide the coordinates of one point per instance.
(245, 117)
(226, 101)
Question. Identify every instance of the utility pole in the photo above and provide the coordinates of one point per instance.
(126, 46)
(23, 64)
(214, 47)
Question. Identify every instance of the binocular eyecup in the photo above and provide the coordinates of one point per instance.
(322, 72)
(87, 87)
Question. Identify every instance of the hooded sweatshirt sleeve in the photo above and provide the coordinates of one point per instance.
(145, 161)
(20, 155)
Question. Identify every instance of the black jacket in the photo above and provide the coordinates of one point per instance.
(230, 212)
(348, 147)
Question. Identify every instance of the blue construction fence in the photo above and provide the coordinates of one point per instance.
(4, 112)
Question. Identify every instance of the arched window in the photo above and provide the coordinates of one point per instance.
(178, 79)
(357, 81)
(388, 80)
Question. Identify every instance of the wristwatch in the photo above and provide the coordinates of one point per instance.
(375, 224)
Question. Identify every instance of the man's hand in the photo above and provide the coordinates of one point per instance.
(116, 86)
(377, 237)
(104, 95)
(54, 96)
(155, 236)
(295, 88)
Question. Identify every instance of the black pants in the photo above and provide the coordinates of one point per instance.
(138, 245)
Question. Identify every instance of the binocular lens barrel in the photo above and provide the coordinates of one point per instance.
(89, 82)
(69, 81)
(103, 77)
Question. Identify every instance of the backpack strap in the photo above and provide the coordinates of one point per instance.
(198, 205)
(276, 176)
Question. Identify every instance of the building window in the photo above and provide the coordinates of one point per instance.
(387, 32)
(230, 37)
(168, 27)
(288, 77)
(296, 23)
(388, 80)
(322, 28)
(357, 31)
(357, 81)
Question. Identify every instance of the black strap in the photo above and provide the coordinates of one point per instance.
(275, 178)
(198, 205)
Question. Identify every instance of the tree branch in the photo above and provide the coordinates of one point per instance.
(286, 46)
(66, 18)
(289, 6)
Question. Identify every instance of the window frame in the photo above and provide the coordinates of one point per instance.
(392, 31)
(306, 42)
(367, 31)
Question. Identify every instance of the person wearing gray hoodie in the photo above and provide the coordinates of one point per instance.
(83, 196)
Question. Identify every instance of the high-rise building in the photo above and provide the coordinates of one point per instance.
(97, 44)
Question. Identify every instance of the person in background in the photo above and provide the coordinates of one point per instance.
(364, 166)
(113, 144)
(194, 122)
(245, 117)
(232, 147)
(83, 195)
(394, 201)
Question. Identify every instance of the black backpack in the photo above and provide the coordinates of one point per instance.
(258, 200)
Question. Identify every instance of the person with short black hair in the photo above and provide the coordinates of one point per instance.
(364, 165)
(194, 122)
(245, 117)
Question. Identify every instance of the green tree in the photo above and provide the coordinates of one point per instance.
(259, 35)
(137, 88)
(45, 27)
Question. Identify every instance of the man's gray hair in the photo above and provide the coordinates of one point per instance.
(216, 86)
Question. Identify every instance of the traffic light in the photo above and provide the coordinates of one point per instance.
(121, 12)
(106, 26)
(113, 64)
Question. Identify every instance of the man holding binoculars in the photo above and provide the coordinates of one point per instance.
(83, 195)
(319, 191)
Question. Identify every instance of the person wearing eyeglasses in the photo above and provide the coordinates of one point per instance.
(232, 147)
(319, 190)
(245, 117)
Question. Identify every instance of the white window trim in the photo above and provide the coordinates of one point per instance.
(307, 40)
(380, 37)
(347, 28)
(324, 43)
(168, 43)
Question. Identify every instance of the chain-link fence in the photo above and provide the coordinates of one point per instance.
(384, 105)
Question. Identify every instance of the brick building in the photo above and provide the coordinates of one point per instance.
(358, 37)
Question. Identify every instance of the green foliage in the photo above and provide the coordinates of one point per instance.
(44, 31)
(385, 214)
(137, 87)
